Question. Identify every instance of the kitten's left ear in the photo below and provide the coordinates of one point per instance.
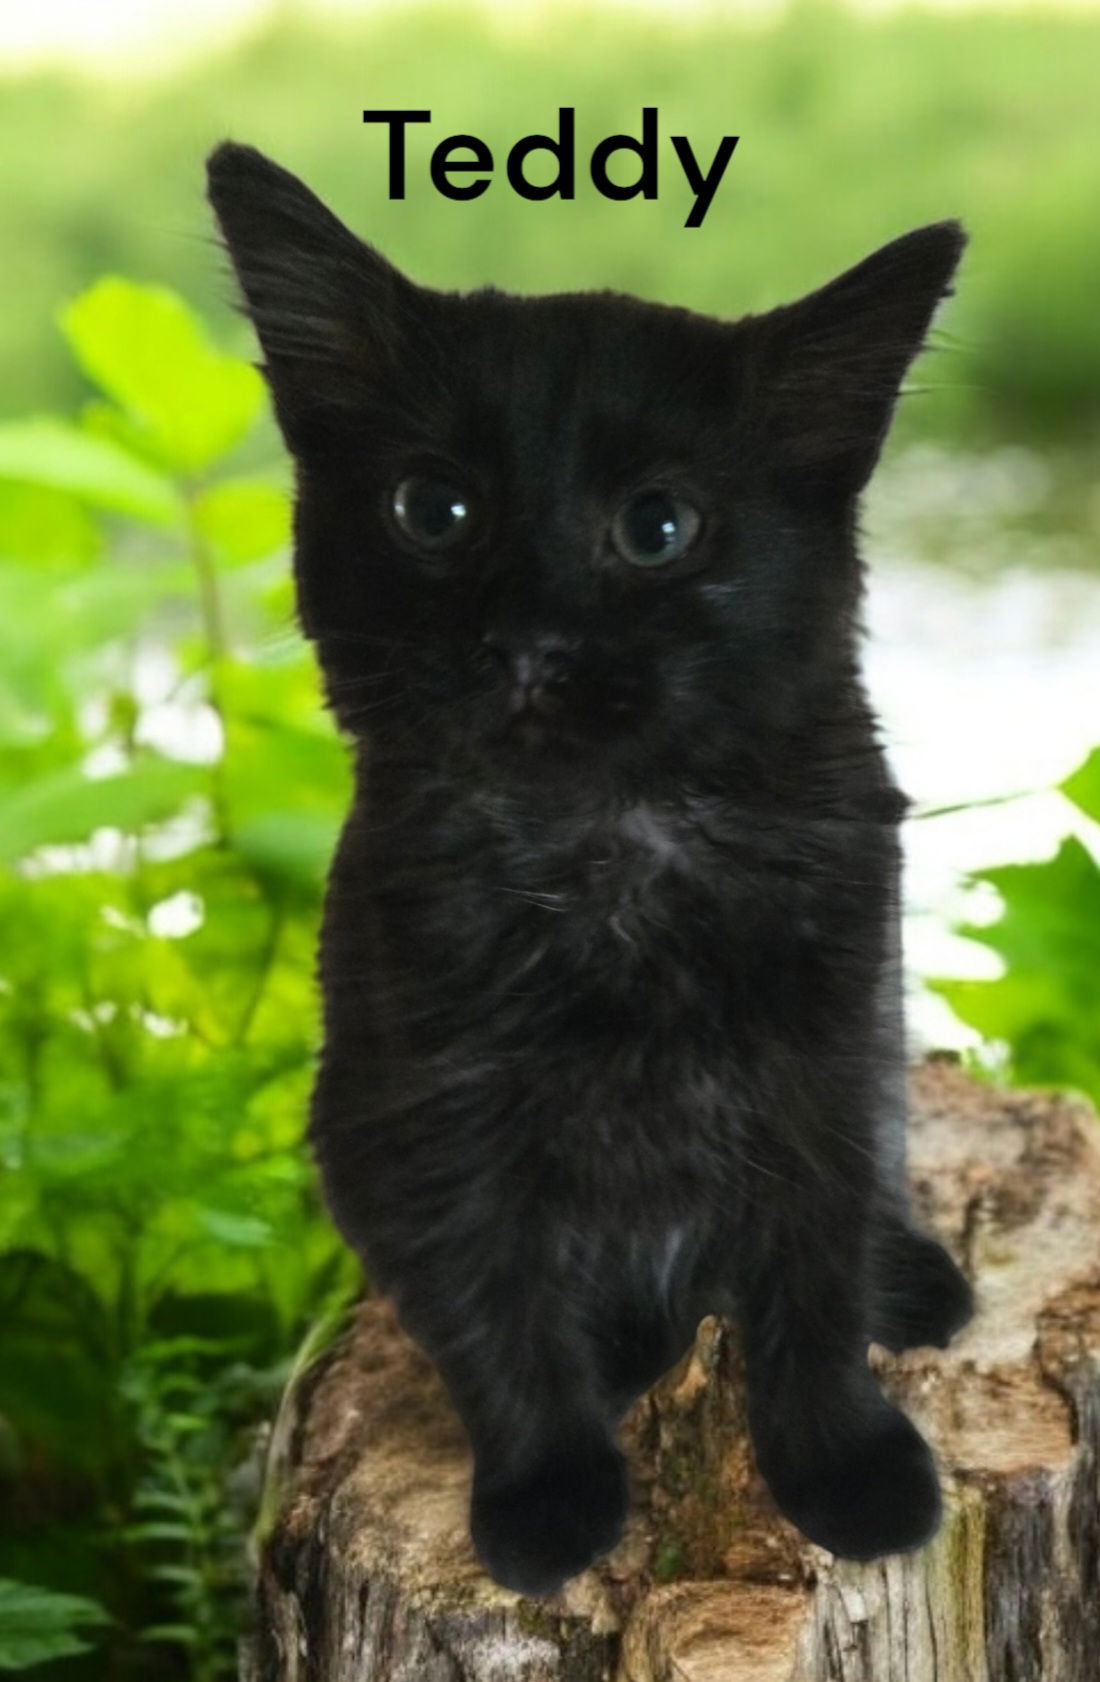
(829, 366)
(329, 310)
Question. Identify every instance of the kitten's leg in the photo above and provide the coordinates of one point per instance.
(918, 1294)
(537, 1523)
(479, 1292)
(550, 1489)
(540, 1515)
(842, 1463)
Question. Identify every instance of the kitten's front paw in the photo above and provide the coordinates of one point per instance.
(920, 1296)
(877, 1493)
(536, 1532)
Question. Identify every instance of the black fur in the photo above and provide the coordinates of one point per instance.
(612, 1018)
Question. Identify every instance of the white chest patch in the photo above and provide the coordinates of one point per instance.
(652, 833)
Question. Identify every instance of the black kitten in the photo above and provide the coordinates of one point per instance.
(612, 1007)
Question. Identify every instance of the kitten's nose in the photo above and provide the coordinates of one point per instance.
(539, 666)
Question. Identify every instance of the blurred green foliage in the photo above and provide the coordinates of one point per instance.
(853, 129)
(169, 794)
(37, 1625)
(1042, 1014)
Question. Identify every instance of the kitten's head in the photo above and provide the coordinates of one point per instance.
(574, 530)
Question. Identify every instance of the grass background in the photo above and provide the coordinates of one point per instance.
(853, 128)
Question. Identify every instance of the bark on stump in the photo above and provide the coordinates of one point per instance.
(367, 1574)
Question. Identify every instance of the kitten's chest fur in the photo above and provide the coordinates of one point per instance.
(619, 975)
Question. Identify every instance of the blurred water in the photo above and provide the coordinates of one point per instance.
(983, 658)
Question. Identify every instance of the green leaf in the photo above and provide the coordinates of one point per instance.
(243, 519)
(1051, 917)
(40, 523)
(159, 1530)
(68, 806)
(157, 1500)
(1004, 1008)
(1046, 1005)
(184, 1634)
(185, 1574)
(143, 346)
(290, 848)
(1083, 786)
(100, 418)
(187, 1424)
(51, 452)
(39, 1624)
(243, 1232)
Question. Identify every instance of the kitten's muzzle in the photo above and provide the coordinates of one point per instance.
(538, 670)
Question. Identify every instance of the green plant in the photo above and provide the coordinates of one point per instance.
(194, 1406)
(1043, 1012)
(37, 1625)
(169, 794)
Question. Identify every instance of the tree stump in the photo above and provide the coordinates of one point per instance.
(367, 1574)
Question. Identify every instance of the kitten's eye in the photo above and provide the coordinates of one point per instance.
(653, 528)
(433, 512)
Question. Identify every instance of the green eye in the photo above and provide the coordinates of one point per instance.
(434, 512)
(654, 527)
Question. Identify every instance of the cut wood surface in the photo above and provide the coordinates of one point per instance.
(367, 1573)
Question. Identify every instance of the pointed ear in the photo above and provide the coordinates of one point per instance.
(831, 364)
(327, 308)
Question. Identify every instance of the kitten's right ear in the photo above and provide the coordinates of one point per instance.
(830, 365)
(327, 308)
